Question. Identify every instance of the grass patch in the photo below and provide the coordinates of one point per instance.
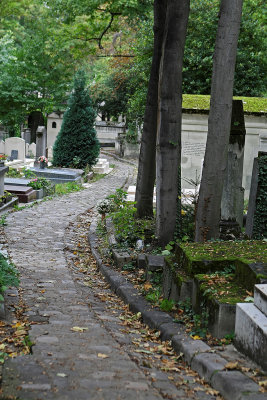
(97, 177)
(69, 187)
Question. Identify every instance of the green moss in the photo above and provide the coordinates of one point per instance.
(202, 102)
(248, 250)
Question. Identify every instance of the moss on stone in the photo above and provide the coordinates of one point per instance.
(202, 102)
(222, 287)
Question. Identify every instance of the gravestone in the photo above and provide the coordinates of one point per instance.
(40, 143)
(27, 136)
(257, 197)
(232, 203)
(15, 143)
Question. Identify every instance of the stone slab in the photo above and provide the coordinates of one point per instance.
(25, 194)
(251, 333)
(59, 175)
(17, 181)
(232, 384)
(260, 298)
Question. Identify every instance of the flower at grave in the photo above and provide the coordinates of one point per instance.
(105, 206)
(43, 159)
(3, 157)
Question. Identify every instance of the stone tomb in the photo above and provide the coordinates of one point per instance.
(59, 175)
(25, 194)
(102, 166)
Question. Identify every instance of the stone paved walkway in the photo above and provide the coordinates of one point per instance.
(68, 364)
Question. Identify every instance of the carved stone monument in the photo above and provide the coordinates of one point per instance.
(40, 143)
(233, 193)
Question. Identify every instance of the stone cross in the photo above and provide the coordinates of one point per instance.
(232, 203)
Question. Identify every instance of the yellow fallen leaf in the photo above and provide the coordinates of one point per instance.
(147, 286)
(196, 337)
(20, 333)
(13, 355)
(231, 365)
(100, 355)
(78, 329)
(263, 384)
(2, 346)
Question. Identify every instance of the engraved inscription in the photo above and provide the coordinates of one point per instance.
(193, 149)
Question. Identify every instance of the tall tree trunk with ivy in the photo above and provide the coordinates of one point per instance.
(168, 153)
(147, 157)
(215, 161)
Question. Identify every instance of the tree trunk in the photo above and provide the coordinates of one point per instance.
(169, 119)
(215, 161)
(147, 157)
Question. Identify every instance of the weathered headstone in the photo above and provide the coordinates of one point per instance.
(233, 193)
(15, 143)
(40, 143)
(258, 198)
(27, 136)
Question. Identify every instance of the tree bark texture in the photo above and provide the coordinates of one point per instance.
(168, 151)
(215, 161)
(147, 158)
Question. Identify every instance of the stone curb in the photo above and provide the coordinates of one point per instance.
(232, 385)
(106, 153)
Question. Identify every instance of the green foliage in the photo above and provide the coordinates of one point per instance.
(8, 275)
(167, 305)
(77, 137)
(260, 216)
(28, 173)
(65, 188)
(13, 173)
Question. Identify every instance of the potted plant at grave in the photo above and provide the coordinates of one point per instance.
(3, 158)
(36, 184)
(43, 162)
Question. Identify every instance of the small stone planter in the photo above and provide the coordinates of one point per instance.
(39, 193)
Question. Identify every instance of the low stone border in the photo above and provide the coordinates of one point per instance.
(232, 385)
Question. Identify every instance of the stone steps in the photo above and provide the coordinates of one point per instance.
(102, 167)
(251, 333)
(260, 298)
(251, 327)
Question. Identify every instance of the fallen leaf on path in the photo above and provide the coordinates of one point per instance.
(101, 355)
(78, 329)
(231, 365)
(61, 374)
(263, 384)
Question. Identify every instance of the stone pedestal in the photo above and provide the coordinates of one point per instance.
(233, 193)
(40, 144)
(3, 170)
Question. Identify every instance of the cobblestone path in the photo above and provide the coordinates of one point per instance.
(77, 364)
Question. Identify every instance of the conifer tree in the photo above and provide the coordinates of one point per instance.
(76, 143)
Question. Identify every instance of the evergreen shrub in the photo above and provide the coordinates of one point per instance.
(77, 144)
